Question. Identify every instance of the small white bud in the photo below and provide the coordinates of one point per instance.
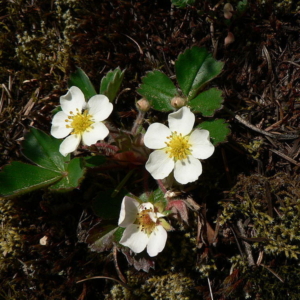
(143, 105)
(44, 240)
(228, 9)
(178, 102)
(229, 39)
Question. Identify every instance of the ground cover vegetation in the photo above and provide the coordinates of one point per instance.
(230, 232)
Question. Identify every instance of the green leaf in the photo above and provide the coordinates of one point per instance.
(183, 3)
(107, 207)
(241, 7)
(157, 197)
(56, 110)
(19, 178)
(42, 149)
(81, 80)
(72, 175)
(110, 84)
(53, 168)
(118, 234)
(75, 169)
(159, 200)
(207, 102)
(218, 129)
(159, 90)
(194, 68)
(94, 161)
(145, 197)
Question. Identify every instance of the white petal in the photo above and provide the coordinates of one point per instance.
(59, 119)
(156, 136)
(99, 107)
(201, 148)
(69, 144)
(187, 170)
(129, 210)
(72, 100)
(159, 215)
(60, 132)
(159, 164)
(182, 121)
(135, 239)
(59, 129)
(153, 216)
(157, 241)
(99, 132)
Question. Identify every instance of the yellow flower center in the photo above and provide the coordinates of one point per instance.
(178, 146)
(80, 122)
(145, 222)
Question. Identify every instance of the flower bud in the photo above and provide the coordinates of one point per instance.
(44, 241)
(143, 105)
(228, 9)
(229, 39)
(178, 102)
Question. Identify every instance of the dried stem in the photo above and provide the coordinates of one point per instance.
(247, 245)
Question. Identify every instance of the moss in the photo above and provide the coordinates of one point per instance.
(10, 245)
(171, 286)
(35, 42)
(257, 203)
(260, 283)
(270, 211)
(287, 6)
(10, 238)
(44, 45)
(253, 148)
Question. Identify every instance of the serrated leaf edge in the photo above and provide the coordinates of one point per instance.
(226, 139)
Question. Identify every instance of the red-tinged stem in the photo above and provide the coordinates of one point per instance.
(162, 187)
(138, 122)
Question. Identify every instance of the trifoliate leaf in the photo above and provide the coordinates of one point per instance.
(207, 102)
(20, 178)
(72, 176)
(82, 81)
(159, 90)
(218, 129)
(194, 68)
(52, 168)
(110, 84)
(42, 149)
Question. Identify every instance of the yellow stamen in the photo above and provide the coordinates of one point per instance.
(80, 122)
(178, 146)
(145, 222)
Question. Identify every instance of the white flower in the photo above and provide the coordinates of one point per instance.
(177, 148)
(143, 227)
(80, 119)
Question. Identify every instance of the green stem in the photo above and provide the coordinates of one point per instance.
(121, 184)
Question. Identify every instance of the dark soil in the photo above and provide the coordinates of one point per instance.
(261, 88)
